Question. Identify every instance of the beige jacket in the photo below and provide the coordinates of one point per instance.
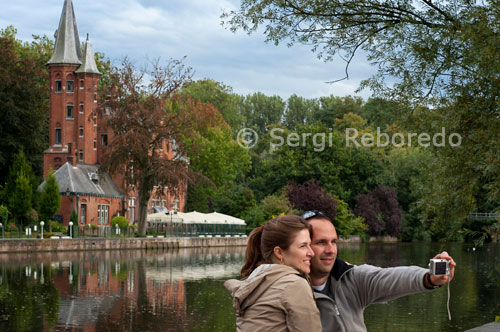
(274, 298)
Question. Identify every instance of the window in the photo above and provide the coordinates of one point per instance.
(58, 136)
(69, 111)
(131, 209)
(83, 213)
(81, 108)
(95, 144)
(81, 155)
(95, 97)
(81, 131)
(58, 85)
(104, 139)
(94, 118)
(102, 214)
(82, 84)
(69, 86)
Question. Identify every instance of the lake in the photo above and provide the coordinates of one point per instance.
(182, 290)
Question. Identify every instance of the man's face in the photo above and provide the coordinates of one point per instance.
(324, 245)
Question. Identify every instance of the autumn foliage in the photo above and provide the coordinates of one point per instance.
(312, 196)
(149, 123)
(381, 211)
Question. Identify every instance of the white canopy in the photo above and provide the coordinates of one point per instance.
(194, 218)
(227, 218)
(162, 217)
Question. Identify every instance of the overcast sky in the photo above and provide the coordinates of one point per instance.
(141, 29)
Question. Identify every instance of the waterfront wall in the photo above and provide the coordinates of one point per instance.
(85, 244)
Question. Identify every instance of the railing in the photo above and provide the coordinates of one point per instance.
(107, 231)
(484, 215)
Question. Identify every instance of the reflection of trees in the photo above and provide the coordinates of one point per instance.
(27, 303)
(120, 291)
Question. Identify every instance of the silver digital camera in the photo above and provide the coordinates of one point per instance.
(439, 267)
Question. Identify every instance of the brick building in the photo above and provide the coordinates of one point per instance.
(77, 140)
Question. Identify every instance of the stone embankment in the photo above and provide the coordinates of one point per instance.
(85, 244)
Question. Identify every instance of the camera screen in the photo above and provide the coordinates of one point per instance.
(441, 268)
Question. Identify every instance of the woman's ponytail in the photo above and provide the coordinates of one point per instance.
(253, 254)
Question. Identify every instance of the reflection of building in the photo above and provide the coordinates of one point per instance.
(78, 138)
(116, 290)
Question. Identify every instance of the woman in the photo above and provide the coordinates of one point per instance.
(274, 294)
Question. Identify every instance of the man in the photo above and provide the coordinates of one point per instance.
(342, 291)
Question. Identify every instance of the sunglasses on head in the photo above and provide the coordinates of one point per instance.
(311, 214)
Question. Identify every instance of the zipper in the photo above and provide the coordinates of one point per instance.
(337, 310)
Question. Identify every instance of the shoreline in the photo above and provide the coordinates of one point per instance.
(149, 243)
(98, 244)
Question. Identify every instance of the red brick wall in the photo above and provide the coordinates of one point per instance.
(69, 203)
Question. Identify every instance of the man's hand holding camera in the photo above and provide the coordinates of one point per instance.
(441, 270)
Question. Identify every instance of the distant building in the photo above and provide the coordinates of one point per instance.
(76, 138)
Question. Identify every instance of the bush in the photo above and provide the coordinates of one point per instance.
(381, 211)
(57, 227)
(122, 222)
(346, 223)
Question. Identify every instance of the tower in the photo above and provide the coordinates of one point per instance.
(73, 79)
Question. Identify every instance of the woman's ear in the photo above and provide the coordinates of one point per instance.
(278, 253)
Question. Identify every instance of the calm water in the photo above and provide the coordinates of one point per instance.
(183, 290)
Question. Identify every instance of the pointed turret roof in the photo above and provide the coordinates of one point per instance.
(88, 61)
(67, 49)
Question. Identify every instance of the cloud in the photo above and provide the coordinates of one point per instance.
(175, 28)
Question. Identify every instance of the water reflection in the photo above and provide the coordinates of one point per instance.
(183, 290)
(111, 291)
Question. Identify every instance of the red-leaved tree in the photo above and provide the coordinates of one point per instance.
(150, 122)
(381, 210)
(312, 196)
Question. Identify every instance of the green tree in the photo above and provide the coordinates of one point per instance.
(260, 111)
(219, 95)
(346, 223)
(20, 200)
(299, 111)
(440, 55)
(220, 159)
(333, 107)
(380, 112)
(270, 207)
(121, 221)
(317, 153)
(24, 98)
(50, 200)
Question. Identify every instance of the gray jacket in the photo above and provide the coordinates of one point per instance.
(356, 287)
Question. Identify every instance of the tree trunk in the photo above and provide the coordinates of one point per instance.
(144, 196)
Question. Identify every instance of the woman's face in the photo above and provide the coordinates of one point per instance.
(299, 253)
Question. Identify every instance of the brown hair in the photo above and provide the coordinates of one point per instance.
(279, 232)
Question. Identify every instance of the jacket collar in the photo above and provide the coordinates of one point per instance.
(339, 268)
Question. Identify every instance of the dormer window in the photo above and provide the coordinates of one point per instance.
(58, 85)
(69, 86)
